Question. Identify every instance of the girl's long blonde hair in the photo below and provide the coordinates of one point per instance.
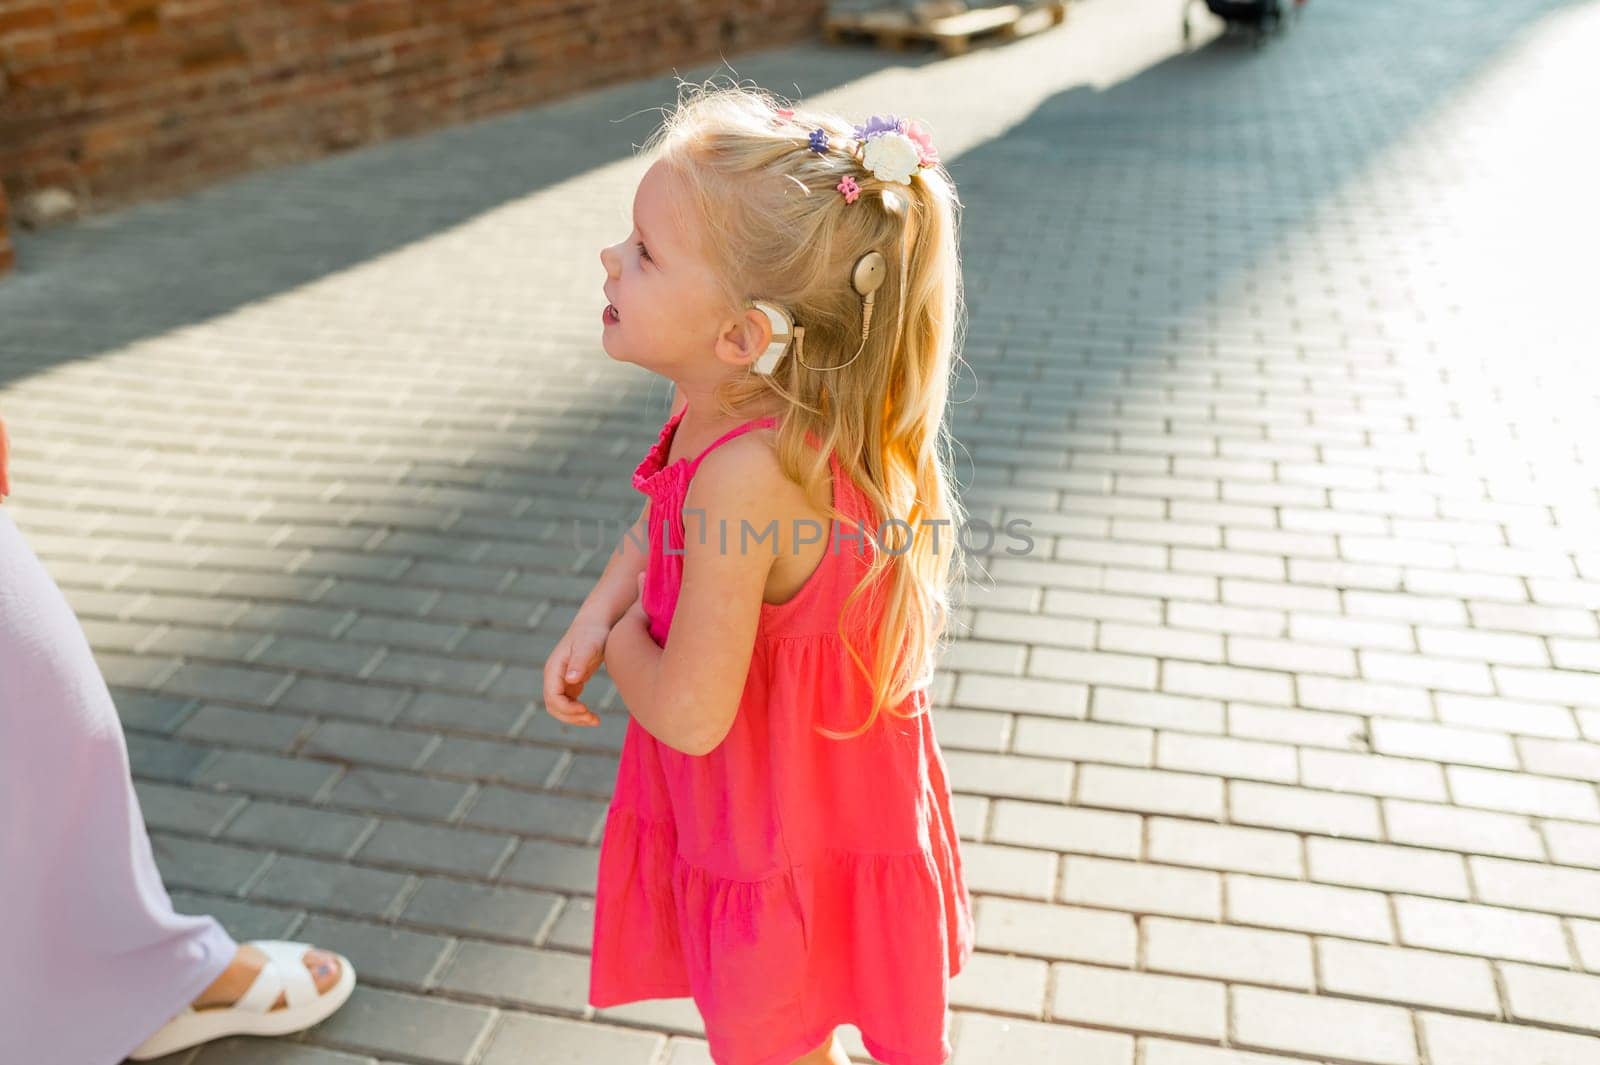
(772, 225)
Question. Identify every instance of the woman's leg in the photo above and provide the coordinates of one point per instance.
(93, 959)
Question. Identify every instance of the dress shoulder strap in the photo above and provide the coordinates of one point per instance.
(738, 430)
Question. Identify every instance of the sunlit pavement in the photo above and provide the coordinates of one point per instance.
(1280, 745)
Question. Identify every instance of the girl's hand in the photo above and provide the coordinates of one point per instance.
(575, 659)
(569, 668)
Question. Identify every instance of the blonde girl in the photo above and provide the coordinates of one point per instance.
(780, 845)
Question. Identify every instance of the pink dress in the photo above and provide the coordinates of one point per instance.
(789, 882)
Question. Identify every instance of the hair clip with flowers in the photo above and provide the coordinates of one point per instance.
(892, 149)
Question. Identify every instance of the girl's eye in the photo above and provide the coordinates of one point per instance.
(643, 252)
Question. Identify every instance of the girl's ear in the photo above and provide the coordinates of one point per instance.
(743, 340)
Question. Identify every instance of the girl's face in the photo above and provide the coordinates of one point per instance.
(665, 311)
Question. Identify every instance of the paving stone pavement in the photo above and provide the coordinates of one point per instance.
(1281, 745)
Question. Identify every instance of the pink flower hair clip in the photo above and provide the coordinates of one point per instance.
(848, 186)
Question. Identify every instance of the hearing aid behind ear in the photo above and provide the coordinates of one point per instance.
(867, 277)
(782, 333)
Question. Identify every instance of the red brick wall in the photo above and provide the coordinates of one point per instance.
(118, 100)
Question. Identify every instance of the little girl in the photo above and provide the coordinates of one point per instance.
(780, 844)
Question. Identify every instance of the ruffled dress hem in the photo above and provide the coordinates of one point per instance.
(639, 853)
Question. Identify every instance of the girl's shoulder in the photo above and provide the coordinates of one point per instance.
(747, 503)
(743, 479)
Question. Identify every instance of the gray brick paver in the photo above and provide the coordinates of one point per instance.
(271, 824)
(422, 1027)
(521, 1035)
(1283, 743)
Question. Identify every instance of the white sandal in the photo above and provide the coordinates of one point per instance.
(284, 972)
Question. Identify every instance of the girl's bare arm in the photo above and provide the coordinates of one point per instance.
(687, 693)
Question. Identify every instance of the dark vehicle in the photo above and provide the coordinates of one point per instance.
(1260, 17)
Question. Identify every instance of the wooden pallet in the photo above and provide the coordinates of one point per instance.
(948, 24)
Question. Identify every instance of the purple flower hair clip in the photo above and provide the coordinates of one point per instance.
(819, 141)
(877, 124)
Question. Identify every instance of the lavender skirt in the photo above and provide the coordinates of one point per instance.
(93, 960)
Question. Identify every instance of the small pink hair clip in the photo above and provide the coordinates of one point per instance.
(848, 186)
(784, 112)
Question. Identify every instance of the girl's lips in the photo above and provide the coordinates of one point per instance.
(609, 315)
